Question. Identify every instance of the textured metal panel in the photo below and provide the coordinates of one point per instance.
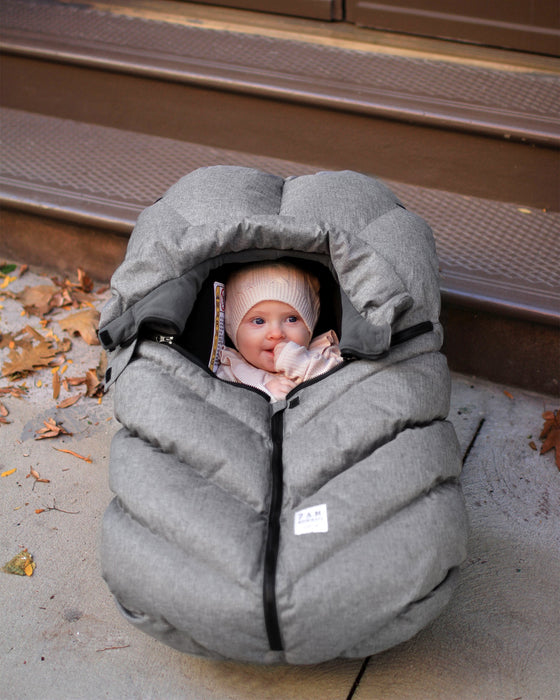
(519, 104)
(99, 173)
(492, 250)
(437, 158)
(492, 254)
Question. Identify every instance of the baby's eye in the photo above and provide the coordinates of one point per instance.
(293, 319)
(258, 321)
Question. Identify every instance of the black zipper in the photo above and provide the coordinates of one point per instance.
(411, 332)
(272, 623)
(170, 342)
(273, 531)
(273, 534)
(397, 338)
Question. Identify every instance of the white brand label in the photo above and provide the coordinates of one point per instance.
(311, 520)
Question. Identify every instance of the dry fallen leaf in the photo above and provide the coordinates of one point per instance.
(94, 384)
(95, 388)
(84, 323)
(56, 385)
(52, 429)
(550, 434)
(41, 299)
(70, 401)
(31, 352)
(3, 413)
(75, 381)
(38, 300)
(9, 472)
(30, 331)
(84, 281)
(37, 476)
(17, 392)
(29, 359)
(6, 340)
(75, 294)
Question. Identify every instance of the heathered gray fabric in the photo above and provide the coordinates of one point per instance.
(184, 539)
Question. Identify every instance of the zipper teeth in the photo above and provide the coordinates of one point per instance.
(200, 364)
(251, 387)
(397, 338)
(318, 377)
(411, 332)
(273, 533)
(273, 538)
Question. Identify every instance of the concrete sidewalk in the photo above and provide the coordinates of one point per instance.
(62, 637)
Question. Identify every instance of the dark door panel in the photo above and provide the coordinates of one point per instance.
(313, 9)
(525, 25)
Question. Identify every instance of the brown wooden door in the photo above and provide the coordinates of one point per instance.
(525, 25)
(314, 9)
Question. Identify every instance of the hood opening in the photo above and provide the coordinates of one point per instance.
(197, 337)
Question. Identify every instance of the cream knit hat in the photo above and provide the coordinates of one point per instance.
(270, 281)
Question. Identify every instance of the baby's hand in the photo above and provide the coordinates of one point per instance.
(278, 348)
(280, 386)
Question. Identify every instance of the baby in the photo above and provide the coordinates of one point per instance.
(270, 314)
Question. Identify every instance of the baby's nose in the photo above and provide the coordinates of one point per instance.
(275, 330)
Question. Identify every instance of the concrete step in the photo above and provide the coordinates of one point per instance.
(72, 191)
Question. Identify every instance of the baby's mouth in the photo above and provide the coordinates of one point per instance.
(269, 354)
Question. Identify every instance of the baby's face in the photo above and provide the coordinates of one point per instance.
(264, 326)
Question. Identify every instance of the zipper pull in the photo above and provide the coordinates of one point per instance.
(166, 339)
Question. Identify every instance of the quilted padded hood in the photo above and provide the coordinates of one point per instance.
(381, 255)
